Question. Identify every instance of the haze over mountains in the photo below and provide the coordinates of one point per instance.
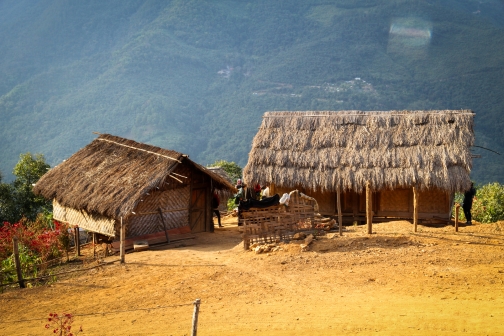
(196, 76)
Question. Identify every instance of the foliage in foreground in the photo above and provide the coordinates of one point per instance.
(61, 324)
(38, 243)
(489, 204)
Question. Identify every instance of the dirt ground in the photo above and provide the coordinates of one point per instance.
(393, 282)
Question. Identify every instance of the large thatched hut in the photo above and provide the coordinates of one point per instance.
(152, 190)
(408, 160)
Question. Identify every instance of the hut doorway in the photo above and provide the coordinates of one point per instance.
(197, 210)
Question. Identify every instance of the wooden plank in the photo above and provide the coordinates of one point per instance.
(173, 233)
(129, 243)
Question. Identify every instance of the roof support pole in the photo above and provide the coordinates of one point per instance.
(415, 208)
(77, 241)
(369, 208)
(340, 217)
(123, 236)
(94, 244)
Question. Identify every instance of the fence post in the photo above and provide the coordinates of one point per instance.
(17, 262)
(457, 209)
(195, 317)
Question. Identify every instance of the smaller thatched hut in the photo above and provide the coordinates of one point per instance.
(152, 190)
(384, 164)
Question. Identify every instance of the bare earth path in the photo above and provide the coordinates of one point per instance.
(393, 282)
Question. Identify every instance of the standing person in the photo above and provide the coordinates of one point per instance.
(467, 205)
(215, 206)
(239, 184)
(244, 193)
(240, 195)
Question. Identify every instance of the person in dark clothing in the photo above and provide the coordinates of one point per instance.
(215, 206)
(467, 203)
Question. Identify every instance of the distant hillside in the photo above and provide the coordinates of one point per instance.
(196, 76)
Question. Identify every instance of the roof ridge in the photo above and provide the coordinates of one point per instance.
(140, 149)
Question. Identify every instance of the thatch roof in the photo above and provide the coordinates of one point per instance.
(221, 172)
(393, 149)
(223, 194)
(112, 174)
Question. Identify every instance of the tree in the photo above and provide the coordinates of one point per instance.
(7, 208)
(232, 169)
(17, 199)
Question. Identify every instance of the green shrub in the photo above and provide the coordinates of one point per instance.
(488, 206)
(231, 204)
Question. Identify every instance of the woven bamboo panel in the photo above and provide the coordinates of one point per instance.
(166, 200)
(94, 223)
(265, 225)
(433, 201)
(174, 204)
(151, 223)
(395, 200)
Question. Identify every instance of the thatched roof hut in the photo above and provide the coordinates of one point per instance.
(329, 151)
(345, 149)
(114, 178)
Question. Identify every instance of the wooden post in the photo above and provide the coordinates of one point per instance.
(123, 235)
(415, 208)
(17, 262)
(94, 244)
(164, 225)
(457, 209)
(77, 241)
(195, 317)
(340, 215)
(369, 208)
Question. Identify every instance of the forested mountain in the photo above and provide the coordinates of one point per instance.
(197, 75)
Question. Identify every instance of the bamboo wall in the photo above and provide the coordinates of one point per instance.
(174, 205)
(82, 219)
